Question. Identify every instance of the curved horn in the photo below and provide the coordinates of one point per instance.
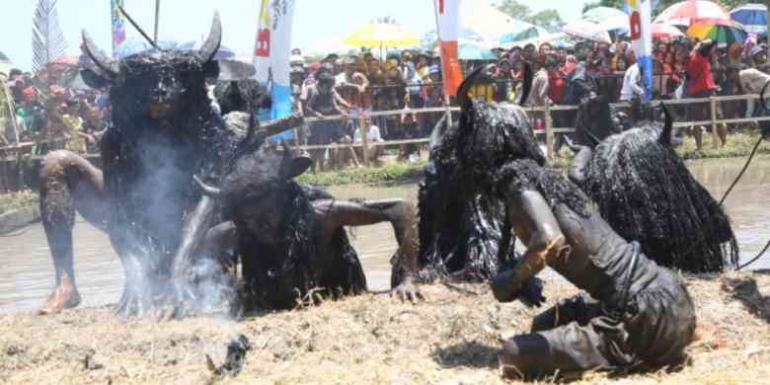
(211, 46)
(105, 63)
(526, 87)
(465, 87)
(668, 128)
(209, 191)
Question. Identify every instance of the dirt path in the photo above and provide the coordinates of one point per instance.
(450, 339)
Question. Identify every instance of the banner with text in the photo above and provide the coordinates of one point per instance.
(640, 13)
(447, 24)
(118, 25)
(271, 55)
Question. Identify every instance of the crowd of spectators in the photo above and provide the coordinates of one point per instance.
(50, 116)
(354, 85)
(357, 83)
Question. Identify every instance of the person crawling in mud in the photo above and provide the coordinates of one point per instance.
(291, 238)
(636, 315)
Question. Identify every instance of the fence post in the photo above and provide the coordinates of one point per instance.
(548, 130)
(364, 138)
(714, 135)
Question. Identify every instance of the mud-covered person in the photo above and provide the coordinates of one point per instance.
(636, 314)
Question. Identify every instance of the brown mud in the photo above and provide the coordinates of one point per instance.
(451, 338)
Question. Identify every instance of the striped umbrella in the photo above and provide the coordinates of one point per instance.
(584, 29)
(665, 31)
(752, 16)
(691, 12)
(724, 33)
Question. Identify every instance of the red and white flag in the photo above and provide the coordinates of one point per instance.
(448, 25)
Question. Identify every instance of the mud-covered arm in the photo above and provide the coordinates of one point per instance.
(535, 223)
(579, 165)
(401, 215)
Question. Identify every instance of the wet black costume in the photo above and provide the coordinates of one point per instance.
(638, 313)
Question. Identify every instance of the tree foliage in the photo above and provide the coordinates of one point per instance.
(48, 42)
(548, 18)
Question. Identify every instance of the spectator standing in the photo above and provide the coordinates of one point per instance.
(700, 84)
(632, 79)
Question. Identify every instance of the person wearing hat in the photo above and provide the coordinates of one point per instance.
(700, 84)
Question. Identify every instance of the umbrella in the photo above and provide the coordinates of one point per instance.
(473, 51)
(752, 16)
(138, 45)
(690, 12)
(724, 33)
(585, 29)
(610, 18)
(665, 31)
(223, 53)
(531, 33)
(382, 35)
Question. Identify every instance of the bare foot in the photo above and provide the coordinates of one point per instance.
(64, 296)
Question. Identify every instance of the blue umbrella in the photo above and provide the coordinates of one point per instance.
(471, 51)
(223, 53)
(138, 45)
(525, 34)
(752, 16)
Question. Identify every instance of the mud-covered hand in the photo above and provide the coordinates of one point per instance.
(407, 290)
(505, 289)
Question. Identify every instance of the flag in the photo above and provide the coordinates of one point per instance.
(272, 53)
(447, 24)
(641, 39)
(118, 25)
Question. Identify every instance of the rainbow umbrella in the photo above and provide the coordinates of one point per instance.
(724, 33)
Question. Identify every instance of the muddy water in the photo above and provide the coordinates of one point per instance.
(26, 272)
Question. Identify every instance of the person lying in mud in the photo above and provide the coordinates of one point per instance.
(291, 238)
(636, 314)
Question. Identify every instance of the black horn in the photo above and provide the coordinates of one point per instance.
(106, 64)
(465, 87)
(526, 86)
(668, 128)
(211, 46)
(209, 191)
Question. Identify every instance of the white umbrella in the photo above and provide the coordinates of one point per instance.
(609, 18)
(584, 29)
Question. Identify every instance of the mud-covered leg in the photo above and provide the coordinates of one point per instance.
(68, 183)
(579, 165)
(401, 214)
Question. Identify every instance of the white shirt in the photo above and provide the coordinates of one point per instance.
(632, 83)
(372, 136)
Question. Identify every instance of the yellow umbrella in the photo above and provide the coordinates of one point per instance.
(372, 35)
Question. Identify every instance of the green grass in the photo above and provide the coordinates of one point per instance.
(18, 200)
(388, 174)
(738, 145)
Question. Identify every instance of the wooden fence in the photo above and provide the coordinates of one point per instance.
(13, 175)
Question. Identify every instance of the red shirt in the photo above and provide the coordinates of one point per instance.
(556, 87)
(699, 72)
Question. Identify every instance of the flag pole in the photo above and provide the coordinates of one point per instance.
(157, 18)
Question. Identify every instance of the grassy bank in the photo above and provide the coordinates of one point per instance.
(14, 201)
(388, 173)
(738, 145)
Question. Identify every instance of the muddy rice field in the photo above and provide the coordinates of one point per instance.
(450, 338)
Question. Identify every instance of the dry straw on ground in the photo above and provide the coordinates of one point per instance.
(451, 338)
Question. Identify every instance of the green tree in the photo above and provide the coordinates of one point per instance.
(548, 18)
